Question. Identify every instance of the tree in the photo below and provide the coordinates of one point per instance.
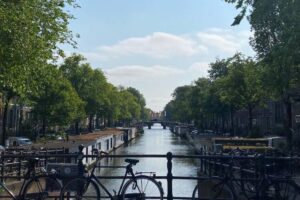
(182, 111)
(29, 35)
(129, 107)
(169, 110)
(140, 100)
(95, 93)
(276, 41)
(72, 70)
(242, 87)
(56, 103)
(218, 69)
(198, 102)
(89, 84)
(112, 108)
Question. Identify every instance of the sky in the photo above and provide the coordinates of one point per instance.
(156, 45)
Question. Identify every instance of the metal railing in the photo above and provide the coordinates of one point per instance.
(209, 166)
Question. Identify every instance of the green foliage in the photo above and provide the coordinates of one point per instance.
(29, 33)
(276, 41)
(129, 106)
(56, 103)
(182, 111)
(170, 110)
(235, 83)
(242, 86)
(218, 68)
(112, 108)
(139, 98)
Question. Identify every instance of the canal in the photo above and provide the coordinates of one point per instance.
(155, 141)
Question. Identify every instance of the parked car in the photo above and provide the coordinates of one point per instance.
(18, 141)
(2, 148)
(194, 132)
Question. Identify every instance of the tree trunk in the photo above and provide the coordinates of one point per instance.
(91, 122)
(109, 124)
(232, 122)
(288, 121)
(250, 123)
(44, 126)
(4, 120)
(20, 130)
(223, 124)
(77, 127)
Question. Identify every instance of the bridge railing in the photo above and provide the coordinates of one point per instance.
(209, 166)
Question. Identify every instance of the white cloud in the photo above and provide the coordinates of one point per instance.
(156, 82)
(159, 62)
(224, 40)
(222, 43)
(142, 72)
(157, 45)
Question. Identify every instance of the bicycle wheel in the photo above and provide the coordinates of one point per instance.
(142, 187)
(283, 190)
(41, 188)
(80, 188)
(212, 189)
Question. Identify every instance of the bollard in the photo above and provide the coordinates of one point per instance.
(170, 176)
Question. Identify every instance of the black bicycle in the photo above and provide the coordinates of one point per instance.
(138, 186)
(33, 187)
(264, 187)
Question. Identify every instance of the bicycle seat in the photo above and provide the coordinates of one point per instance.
(131, 161)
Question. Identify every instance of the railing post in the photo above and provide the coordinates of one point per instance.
(19, 167)
(2, 170)
(205, 164)
(201, 160)
(209, 167)
(46, 157)
(170, 176)
(79, 159)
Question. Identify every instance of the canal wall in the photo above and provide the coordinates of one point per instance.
(201, 142)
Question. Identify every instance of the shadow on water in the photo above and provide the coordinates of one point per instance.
(155, 141)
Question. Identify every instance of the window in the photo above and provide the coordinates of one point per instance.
(107, 144)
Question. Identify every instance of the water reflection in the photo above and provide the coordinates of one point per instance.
(155, 141)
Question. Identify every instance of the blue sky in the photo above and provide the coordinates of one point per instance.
(156, 45)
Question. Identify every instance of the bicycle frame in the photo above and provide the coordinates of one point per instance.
(128, 173)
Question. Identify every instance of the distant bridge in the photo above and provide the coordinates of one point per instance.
(163, 123)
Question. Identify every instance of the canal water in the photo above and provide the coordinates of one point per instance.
(155, 141)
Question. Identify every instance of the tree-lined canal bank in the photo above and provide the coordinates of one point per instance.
(155, 141)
